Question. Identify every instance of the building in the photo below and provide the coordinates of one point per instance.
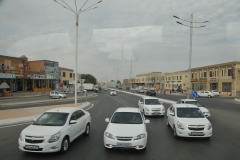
(176, 81)
(66, 77)
(150, 79)
(223, 77)
(125, 82)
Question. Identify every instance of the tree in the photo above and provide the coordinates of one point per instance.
(118, 82)
(89, 78)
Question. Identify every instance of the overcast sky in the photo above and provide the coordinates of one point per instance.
(118, 29)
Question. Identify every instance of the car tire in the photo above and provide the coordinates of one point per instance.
(175, 132)
(168, 125)
(87, 130)
(65, 145)
(209, 96)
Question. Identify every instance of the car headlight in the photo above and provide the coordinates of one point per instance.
(55, 137)
(140, 136)
(20, 137)
(209, 126)
(109, 135)
(180, 125)
(147, 109)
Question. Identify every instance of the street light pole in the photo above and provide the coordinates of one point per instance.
(117, 69)
(77, 13)
(190, 50)
(131, 60)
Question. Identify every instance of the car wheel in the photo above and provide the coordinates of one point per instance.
(168, 123)
(175, 132)
(209, 96)
(87, 130)
(65, 145)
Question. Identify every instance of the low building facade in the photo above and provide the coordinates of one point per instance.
(66, 77)
(177, 81)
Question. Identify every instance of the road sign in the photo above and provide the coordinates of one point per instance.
(195, 94)
(81, 81)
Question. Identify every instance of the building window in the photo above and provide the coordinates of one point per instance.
(177, 77)
(210, 74)
(64, 74)
(205, 74)
(70, 75)
(229, 72)
(180, 77)
(222, 73)
(227, 87)
(192, 75)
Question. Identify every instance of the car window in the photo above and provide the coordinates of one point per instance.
(127, 118)
(152, 102)
(80, 113)
(206, 92)
(74, 116)
(52, 119)
(189, 113)
(202, 92)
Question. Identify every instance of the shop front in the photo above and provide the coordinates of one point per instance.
(8, 78)
(202, 84)
(213, 83)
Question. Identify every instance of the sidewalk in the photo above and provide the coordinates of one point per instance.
(24, 115)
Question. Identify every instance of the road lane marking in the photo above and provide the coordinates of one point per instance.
(90, 107)
(16, 125)
(119, 101)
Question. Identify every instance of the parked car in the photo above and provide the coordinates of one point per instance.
(187, 120)
(105, 89)
(113, 92)
(205, 94)
(151, 106)
(215, 92)
(57, 94)
(54, 130)
(151, 92)
(140, 91)
(126, 129)
(204, 110)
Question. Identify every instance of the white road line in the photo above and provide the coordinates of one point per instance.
(15, 125)
(119, 101)
(90, 107)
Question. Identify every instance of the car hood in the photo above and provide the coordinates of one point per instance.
(125, 129)
(36, 130)
(203, 109)
(193, 121)
(154, 106)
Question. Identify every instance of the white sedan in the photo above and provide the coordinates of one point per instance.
(151, 106)
(126, 129)
(205, 94)
(204, 110)
(187, 120)
(54, 130)
(113, 92)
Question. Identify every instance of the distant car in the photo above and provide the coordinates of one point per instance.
(57, 94)
(119, 87)
(54, 130)
(126, 129)
(205, 94)
(215, 92)
(204, 110)
(145, 89)
(113, 92)
(151, 106)
(151, 92)
(105, 89)
(187, 120)
(140, 91)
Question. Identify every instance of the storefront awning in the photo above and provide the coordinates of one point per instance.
(4, 85)
(7, 76)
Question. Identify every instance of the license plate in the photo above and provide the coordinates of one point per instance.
(124, 144)
(156, 113)
(31, 147)
(197, 134)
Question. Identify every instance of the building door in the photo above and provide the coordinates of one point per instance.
(213, 86)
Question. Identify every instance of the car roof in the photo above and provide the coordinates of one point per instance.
(63, 109)
(145, 97)
(188, 99)
(128, 109)
(185, 106)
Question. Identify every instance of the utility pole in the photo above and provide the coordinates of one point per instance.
(117, 69)
(190, 50)
(131, 60)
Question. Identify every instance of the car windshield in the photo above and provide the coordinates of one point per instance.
(194, 102)
(152, 102)
(189, 113)
(52, 119)
(113, 90)
(127, 118)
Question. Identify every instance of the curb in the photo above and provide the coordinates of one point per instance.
(44, 101)
(237, 100)
(28, 119)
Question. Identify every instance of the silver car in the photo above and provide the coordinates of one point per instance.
(57, 94)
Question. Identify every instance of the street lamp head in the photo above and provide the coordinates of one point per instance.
(205, 21)
(202, 26)
(176, 17)
(179, 22)
(100, 1)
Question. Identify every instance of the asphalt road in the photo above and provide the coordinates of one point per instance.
(224, 144)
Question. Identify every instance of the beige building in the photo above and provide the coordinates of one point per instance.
(66, 75)
(223, 77)
(176, 80)
(150, 79)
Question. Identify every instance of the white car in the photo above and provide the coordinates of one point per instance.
(215, 92)
(205, 94)
(140, 91)
(126, 129)
(187, 120)
(113, 92)
(204, 110)
(57, 94)
(105, 89)
(151, 106)
(54, 130)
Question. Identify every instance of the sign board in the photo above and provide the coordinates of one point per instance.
(81, 81)
(195, 94)
(7, 76)
(175, 86)
(112, 80)
(213, 79)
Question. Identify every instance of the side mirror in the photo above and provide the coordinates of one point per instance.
(73, 122)
(107, 120)
(171, 114)
(147, 121)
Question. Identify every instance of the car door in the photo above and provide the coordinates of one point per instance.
(171, 118)
(206, 93)
(73, 129)
(201, 94)
(56, 94)
(82, 121)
